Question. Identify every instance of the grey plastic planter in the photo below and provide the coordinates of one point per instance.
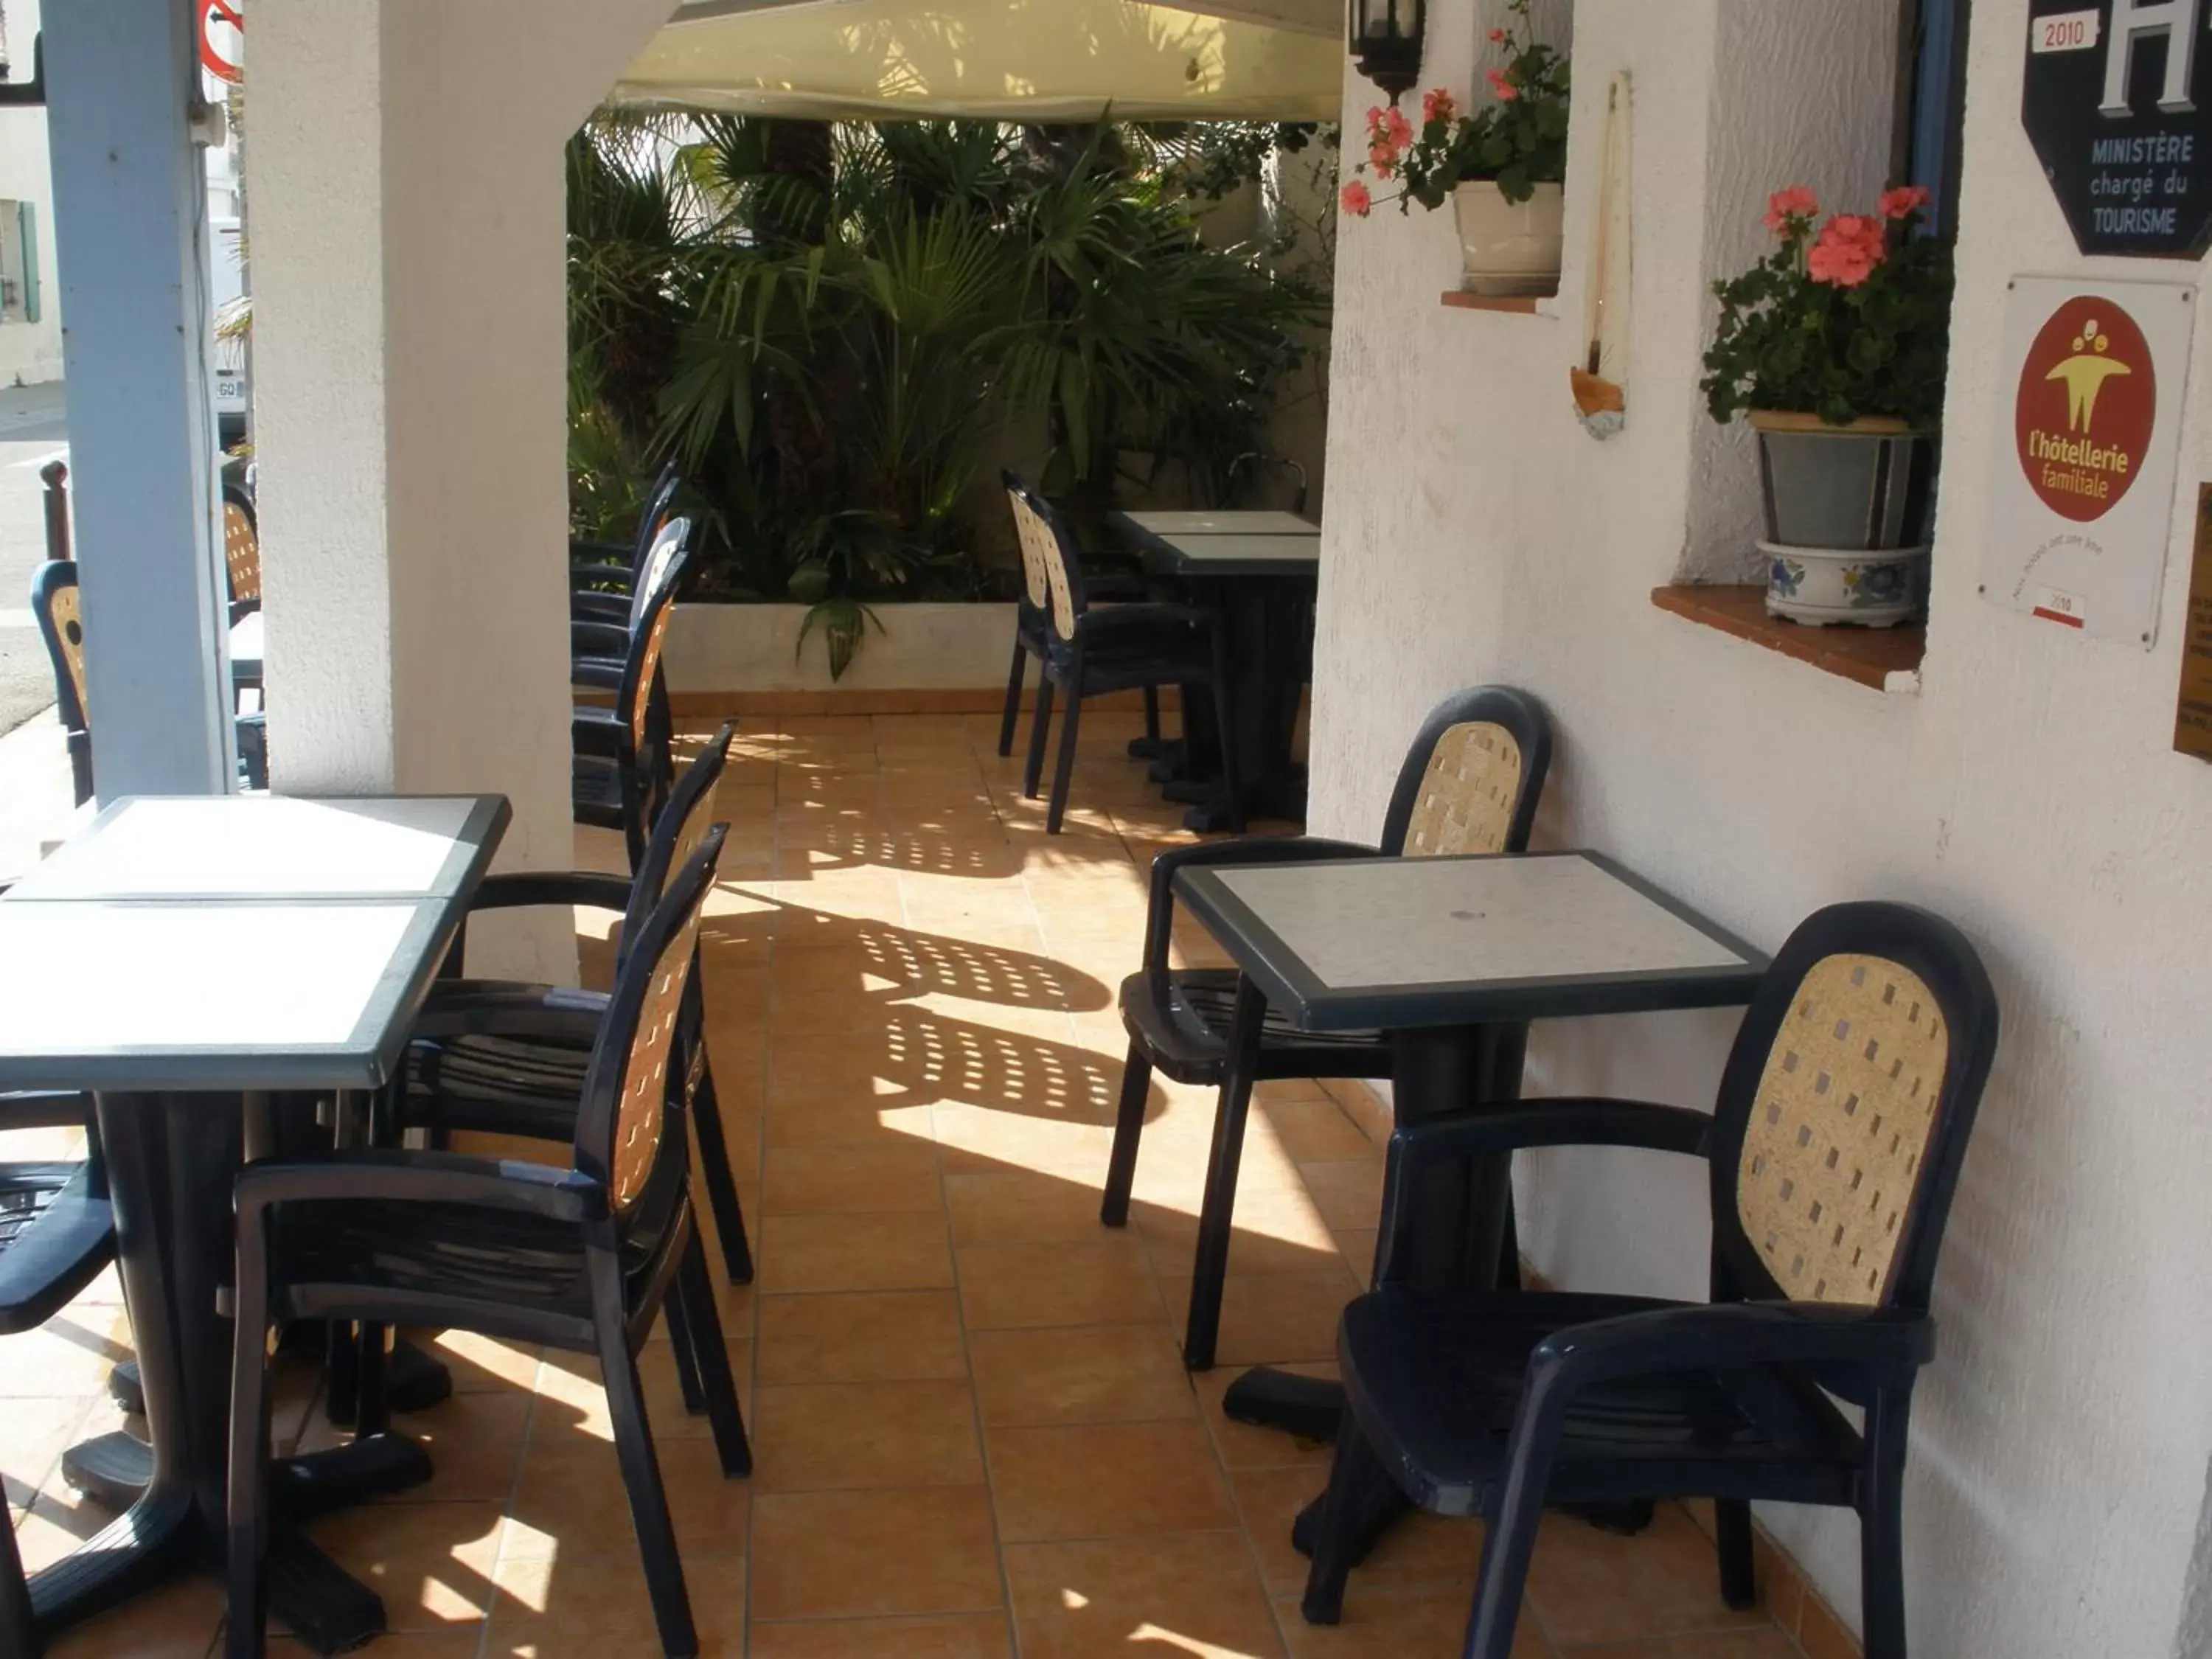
(1861, 487)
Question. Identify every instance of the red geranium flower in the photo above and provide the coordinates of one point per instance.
(1903, 202)
(1850, 246)
(1797, 202)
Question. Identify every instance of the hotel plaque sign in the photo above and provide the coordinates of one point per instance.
(2192, 716)
(2086, 444)
(2117, 101)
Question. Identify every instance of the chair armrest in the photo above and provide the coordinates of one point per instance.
(1159, 914)
(422, 1178)
(1148, 614)
(598, 639)
(600, 674)
(1728, 1335)
(519, 888)
(550, 1013)
(42, 1109)
(591, 605)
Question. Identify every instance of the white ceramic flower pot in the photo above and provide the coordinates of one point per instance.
(1820, 585)
(1509, 247)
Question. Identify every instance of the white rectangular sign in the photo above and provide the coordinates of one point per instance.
(2065, 31)
(2085, 443)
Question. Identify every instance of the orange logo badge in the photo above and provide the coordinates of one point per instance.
(2087, 401)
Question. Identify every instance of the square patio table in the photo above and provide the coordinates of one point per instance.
(1257, 573)
(181, 959)
(1450, 957)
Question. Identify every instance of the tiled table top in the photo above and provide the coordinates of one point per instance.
(1401, 942)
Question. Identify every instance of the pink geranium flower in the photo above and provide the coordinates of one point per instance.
(1903, 202)
(1437, 106)
(1506, 91)
(1357, 199)
(1797, 202)
(1497, 37)
(1850, 247)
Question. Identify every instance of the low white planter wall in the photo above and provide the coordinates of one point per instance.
(920, 647)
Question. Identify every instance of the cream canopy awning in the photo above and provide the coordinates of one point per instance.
(1015, 60)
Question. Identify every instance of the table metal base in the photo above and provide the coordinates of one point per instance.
(172, 1160)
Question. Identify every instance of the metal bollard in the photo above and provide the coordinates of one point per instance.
(56, 475)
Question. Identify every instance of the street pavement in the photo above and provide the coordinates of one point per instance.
(33, 430)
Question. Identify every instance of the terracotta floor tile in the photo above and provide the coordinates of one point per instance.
(1193, 1593)
(397, 1644)
(898, 1178)
(555, 1609)
(1092, 1374)
(961, 1635)
(432, 1562)
(858, 1117)
(1020, 1206)
(571, 1415)
(1271, 1319)
(1099, 1481)
(481, 1363)
(862, 1336)
(853, 1252)
(844, 1437)
(475, 1442)
(1419, 1550)
(1104, 1281)
(578, 1505)
(177, 1621)
(1272, 1232)
(1391, 1622)
(855, 1555)
(33, 1435)
(1590, 1586)
(1768, 1644)
(1347, 1194)
(1316, 1129)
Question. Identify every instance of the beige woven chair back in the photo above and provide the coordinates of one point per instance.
(696, 823)
(69, 628)
(1832, 1157)
(640, 701)
(643, 1112)
(1044, 567)
(1468, 793)
(242, 553)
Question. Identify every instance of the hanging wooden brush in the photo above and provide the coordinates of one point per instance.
(1600, 381)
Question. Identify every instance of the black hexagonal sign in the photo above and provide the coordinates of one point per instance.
(2117, 101)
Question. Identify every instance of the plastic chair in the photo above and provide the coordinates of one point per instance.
(623, 770)
(580, 1258)
(242, 551)
(1834, 1148)
(605, 576)
(1470, 783)
(60, 613)
(57, 1232)
(1089, 653)
(1033, 626)
(495, 1070)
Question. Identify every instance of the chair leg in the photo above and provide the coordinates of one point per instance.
(695, 1297)
(714, 1170)
(1152, 713)
(1881, 1532)
(373, 1402)
(1129, 1129)
(247, 1616)
(17, 1634)
(1732, 1542)
(686, 1355)
(1359, 1488)
(1210, 1270)
(1064, 774)
(1040, 722)
(1014, 677)
(1230, 780)
(648, 1502)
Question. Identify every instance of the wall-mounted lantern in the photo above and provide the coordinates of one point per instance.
(1386, 40)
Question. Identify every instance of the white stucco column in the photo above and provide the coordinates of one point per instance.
(406, 196)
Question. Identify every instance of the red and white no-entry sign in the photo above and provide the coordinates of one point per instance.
(222, 41)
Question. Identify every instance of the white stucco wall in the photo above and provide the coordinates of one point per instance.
(2029, 793)
(407, 191)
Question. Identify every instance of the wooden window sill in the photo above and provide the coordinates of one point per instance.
(1516, 305)
(1868, 655)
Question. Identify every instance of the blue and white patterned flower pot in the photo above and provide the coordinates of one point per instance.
(1821, 585)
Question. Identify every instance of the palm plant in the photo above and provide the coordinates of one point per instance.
(834, 346)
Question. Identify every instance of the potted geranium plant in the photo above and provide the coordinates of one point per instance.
(1502, 168)
(1835, 345)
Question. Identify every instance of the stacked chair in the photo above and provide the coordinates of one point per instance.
(624, 766)
(1470, 783)
(1834, 1150)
